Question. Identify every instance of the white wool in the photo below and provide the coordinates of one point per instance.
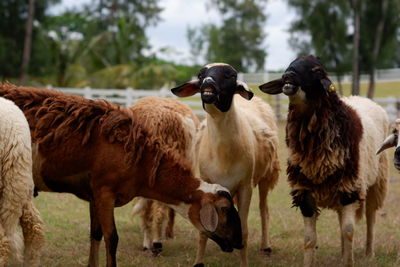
(16, 184)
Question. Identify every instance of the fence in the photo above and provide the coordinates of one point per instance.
(382, 75)
(129, 96)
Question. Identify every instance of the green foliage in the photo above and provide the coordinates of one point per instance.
(321, 28)
(371, 13)
(238, 41)
(13, 15)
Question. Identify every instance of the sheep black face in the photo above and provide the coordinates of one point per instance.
(217, 83)
(393, 140)
(219, 221)
(306, 74)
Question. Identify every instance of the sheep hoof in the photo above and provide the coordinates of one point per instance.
(145, 249)
(267, 251)
(156, 249)
(199, 265)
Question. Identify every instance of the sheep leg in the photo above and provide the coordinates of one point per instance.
(347, 226)
(200, 250)
(104, 206)
(157, 227)
(310, 239)
(95, 236)
(146, 224)
(32, 229)
(340, 216)
(169, 230)
(244, 198)
(264, 213)
(371, 216)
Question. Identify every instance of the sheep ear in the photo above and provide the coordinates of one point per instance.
(243, 89)
(321, 75)
(273, 87)
(390, 141)
(209, 217)
(187, 89)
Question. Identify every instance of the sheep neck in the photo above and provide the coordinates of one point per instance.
(223, 128)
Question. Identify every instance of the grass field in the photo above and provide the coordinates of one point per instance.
(67, 233)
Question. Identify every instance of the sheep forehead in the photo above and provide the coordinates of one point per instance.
(216, 64)
(211, 188)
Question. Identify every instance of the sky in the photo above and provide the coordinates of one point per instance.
(178, 15)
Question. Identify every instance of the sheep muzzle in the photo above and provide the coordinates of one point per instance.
(208, 94)
(289, 89)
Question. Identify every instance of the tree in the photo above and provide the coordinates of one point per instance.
(121, 26)
(13, 17)
(238, 41)
(379, 25)
(28, 43)
(356, 7)
(321, 28)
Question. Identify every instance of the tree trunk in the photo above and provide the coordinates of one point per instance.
(355, 89)
(339, 83)
(28, 43)
(377, 45)
(371, 87)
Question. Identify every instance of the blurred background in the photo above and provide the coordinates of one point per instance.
(147, 44)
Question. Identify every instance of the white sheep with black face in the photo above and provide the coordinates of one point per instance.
(237, 144)
(393, 140)
(332, 162)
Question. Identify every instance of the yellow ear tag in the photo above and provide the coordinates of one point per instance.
(332, 88)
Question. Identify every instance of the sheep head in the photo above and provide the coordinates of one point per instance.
(215, 216)
(393, 140)
(217, 83)
(305, 76)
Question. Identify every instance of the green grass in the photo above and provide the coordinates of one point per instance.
(67, 233)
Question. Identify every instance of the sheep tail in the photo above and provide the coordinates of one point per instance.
(33, 231)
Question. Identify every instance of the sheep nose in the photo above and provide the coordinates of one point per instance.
(397, 152)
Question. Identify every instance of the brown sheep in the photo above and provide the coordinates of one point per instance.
(176, 126)
(98, 152)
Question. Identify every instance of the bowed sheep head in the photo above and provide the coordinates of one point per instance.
(393, 140)
(217, 83)
(305, 74)
(218, 219)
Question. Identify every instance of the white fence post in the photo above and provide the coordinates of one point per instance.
(129, 96)
(87, 93)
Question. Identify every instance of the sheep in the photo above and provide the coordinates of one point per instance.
(16, 189)
(98, 152)
(237, 144)
(176, 126)
(332, 162)
(393, 140)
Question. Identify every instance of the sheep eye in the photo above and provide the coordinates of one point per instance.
(230, 75)
(224, 209)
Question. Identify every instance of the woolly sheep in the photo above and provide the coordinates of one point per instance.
(237, 144)
(176, 126)
(332, 163)
(98, 152)
(16, 187)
